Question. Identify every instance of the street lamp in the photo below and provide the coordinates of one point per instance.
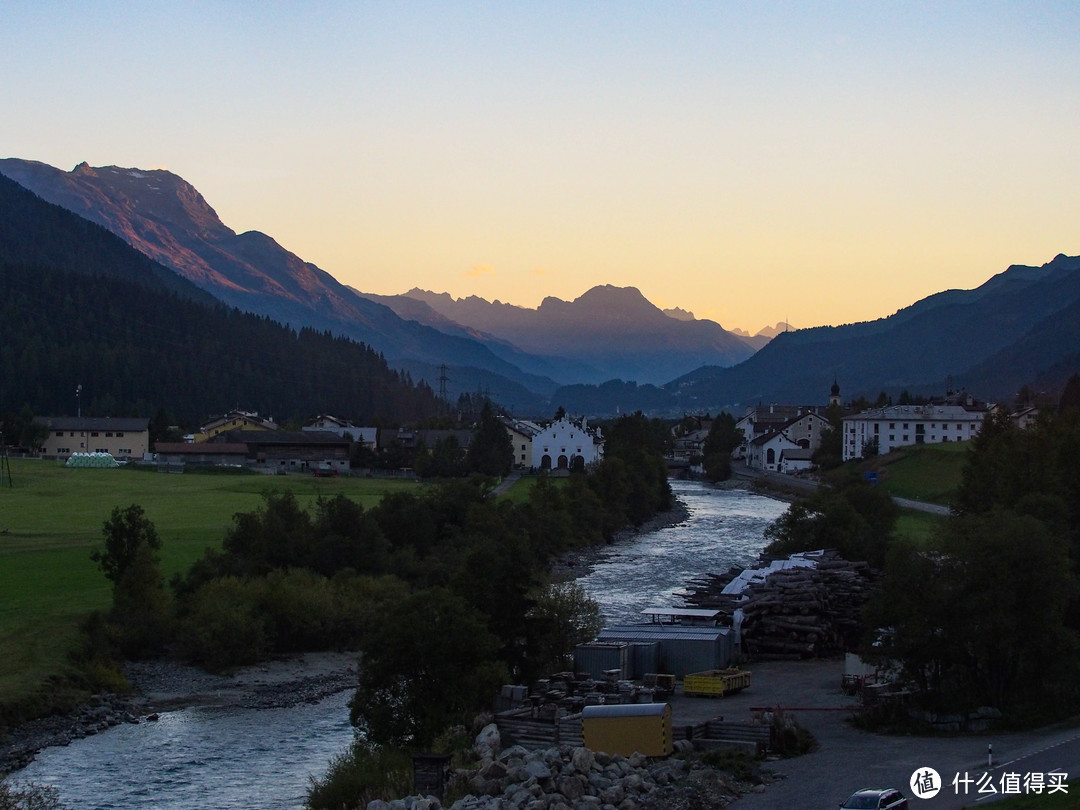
(78, 401)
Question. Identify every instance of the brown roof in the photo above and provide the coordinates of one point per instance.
(201, 448)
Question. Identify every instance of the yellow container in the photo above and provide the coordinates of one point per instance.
(627, 728)
(716, 682)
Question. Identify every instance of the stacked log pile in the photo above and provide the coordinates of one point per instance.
(794, 612)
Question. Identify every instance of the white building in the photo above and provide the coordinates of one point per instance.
(123, 438)
(367, 436)
(955, 418)
(565, 444)
(790, 446)
(764, 452)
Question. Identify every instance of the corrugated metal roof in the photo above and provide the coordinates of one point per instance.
(686, 613)
(660, 632)
(625, 710)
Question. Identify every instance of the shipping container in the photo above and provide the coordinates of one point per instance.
(599, 657)
(628, 728)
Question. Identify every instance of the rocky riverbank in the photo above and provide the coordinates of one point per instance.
(568, 778)
(161, 686)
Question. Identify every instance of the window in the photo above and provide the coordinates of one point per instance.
(876, 426)
(892, 438)
(109, 433)
(905, 437)
(119, 433)
(892, 425)
(94, 433)
(59, 434)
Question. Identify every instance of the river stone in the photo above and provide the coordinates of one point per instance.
(538, 768)
(572, 787)
(488, 742)
(378, 804)
(494, 771)
(613, 795)
(583, 760)
(514, 752)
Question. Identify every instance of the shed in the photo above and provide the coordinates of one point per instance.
(598, 657)
(627, 728)
(683, 649)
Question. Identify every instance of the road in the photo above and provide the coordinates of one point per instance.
(849, 759)
(796, 483)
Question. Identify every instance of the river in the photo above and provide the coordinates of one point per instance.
(235, 759)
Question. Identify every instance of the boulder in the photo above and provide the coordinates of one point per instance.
(488, 743)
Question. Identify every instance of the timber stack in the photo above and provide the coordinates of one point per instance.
(792, 612)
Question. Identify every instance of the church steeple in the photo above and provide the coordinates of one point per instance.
(834, 395)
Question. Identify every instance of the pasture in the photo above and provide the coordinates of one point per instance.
(51, 519)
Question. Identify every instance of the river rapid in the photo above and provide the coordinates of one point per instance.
(217, 758)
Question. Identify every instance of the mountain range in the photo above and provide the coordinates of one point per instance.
(163, 216)
(610, 349)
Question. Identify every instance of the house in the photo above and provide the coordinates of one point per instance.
(1026, 417)
(366, 436)
(795, 460)
(521, 433)
(291, 450)
(233, 420)
(123, 438)
(566, 444)
(763, 453)
(955, 417)
(795, 440)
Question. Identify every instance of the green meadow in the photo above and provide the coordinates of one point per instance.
(925, 472)
(51, 519)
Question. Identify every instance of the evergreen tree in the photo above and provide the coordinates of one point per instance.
(492, 449)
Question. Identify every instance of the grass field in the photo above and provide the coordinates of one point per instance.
(51, 519)
(927, 472)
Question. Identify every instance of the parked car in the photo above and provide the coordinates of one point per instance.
(876, 799)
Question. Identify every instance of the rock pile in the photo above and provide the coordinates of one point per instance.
(568, 778)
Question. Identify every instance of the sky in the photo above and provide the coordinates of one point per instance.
(820, 163)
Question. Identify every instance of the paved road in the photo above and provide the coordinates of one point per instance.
(506, 483)
(849, 759)
(798, 484)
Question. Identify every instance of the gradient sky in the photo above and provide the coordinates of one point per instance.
(750, 162)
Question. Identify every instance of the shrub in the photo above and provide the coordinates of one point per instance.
(362, 774)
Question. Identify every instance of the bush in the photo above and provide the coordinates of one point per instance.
(223, 628)
(360, 775)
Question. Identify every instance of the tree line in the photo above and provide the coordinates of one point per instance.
(444, 591)
(987, 611)
(135, 350)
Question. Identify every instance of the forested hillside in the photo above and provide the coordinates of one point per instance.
(82, 308)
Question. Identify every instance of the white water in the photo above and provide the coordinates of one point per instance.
(725, 528)
(236, 759)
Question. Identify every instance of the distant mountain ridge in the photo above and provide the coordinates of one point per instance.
(164, 217)
(950, 334)
(82, 307)
(606, 333)
(1020, 327)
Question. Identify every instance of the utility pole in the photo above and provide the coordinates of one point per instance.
(78, 401)
(5, 463)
